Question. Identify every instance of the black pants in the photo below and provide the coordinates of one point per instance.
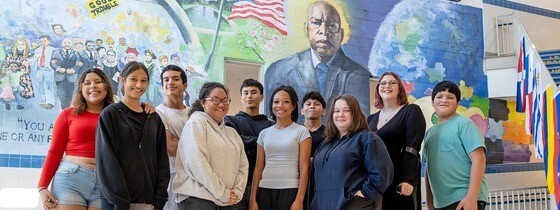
(392, 200)
(359, 203)
(276, 199)
(245, 202)
(194, 203)
(481, 206)
(64, 90)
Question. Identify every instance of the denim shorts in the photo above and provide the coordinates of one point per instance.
(76, 185)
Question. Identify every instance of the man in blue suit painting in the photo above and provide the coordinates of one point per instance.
(324, 67)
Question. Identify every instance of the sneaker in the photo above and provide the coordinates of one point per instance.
(19, 107)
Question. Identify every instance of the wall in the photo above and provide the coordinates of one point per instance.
(542, 30)
(423, 43)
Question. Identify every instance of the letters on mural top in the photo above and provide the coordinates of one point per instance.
(333, 46)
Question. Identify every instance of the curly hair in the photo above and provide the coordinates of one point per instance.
(204, 93)
(79, 102)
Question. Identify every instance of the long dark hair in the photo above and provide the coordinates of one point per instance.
(401, 98)
(293, 99)
(203, 94)
(358, 122)
(131, 67)
(79, 102)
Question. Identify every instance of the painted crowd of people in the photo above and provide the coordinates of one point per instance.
(47, 68)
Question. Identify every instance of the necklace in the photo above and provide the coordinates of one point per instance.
(386, 116)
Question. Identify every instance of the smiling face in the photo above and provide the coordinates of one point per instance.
(313, 110)
(445, 105)
(323, 30)
(173, 84)
(94, 90)
(111, 57)
(58, 30)
(251, 97)
(135, 84)
(282, 106)
(130, 57)
(342, 116)
(219, 111)
(388, 87)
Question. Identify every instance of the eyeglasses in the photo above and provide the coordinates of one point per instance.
(332, 26)
(216, 100)
(392, 83)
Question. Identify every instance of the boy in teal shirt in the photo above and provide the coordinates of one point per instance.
(454, 154)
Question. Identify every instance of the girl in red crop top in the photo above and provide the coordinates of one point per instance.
(74, 134)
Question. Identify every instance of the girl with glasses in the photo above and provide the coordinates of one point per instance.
(401, 126)
(211, 165)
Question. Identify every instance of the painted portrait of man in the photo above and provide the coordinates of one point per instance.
(324, 66)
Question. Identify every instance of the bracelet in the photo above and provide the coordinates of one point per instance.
(44, 188)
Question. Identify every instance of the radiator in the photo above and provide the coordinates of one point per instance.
(534, 198)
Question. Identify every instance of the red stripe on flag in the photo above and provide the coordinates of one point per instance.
(265, 13)
(270, 13)
(244, 4)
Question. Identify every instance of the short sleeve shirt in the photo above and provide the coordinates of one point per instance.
(281, 147)
(446, 152)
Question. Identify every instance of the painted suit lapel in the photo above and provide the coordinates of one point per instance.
(306, 73)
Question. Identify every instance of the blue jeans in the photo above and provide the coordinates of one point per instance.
(45, 83)
(76, 185)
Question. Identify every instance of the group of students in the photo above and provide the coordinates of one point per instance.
(107, 155)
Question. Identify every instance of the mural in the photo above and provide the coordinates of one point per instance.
(324, 66)
(44, 45)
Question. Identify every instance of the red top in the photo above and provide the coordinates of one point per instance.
(72, 134)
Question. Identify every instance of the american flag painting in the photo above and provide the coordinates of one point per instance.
(269, 12)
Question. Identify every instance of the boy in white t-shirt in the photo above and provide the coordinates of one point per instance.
(174, 114)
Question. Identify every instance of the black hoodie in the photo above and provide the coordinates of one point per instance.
(131, 168)
(249, 127)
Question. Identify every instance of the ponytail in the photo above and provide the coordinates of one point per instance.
(203, 94)
(196, 106)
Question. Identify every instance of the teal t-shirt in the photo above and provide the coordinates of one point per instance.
(445, 152)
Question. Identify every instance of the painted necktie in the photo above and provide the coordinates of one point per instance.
(322, 75)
